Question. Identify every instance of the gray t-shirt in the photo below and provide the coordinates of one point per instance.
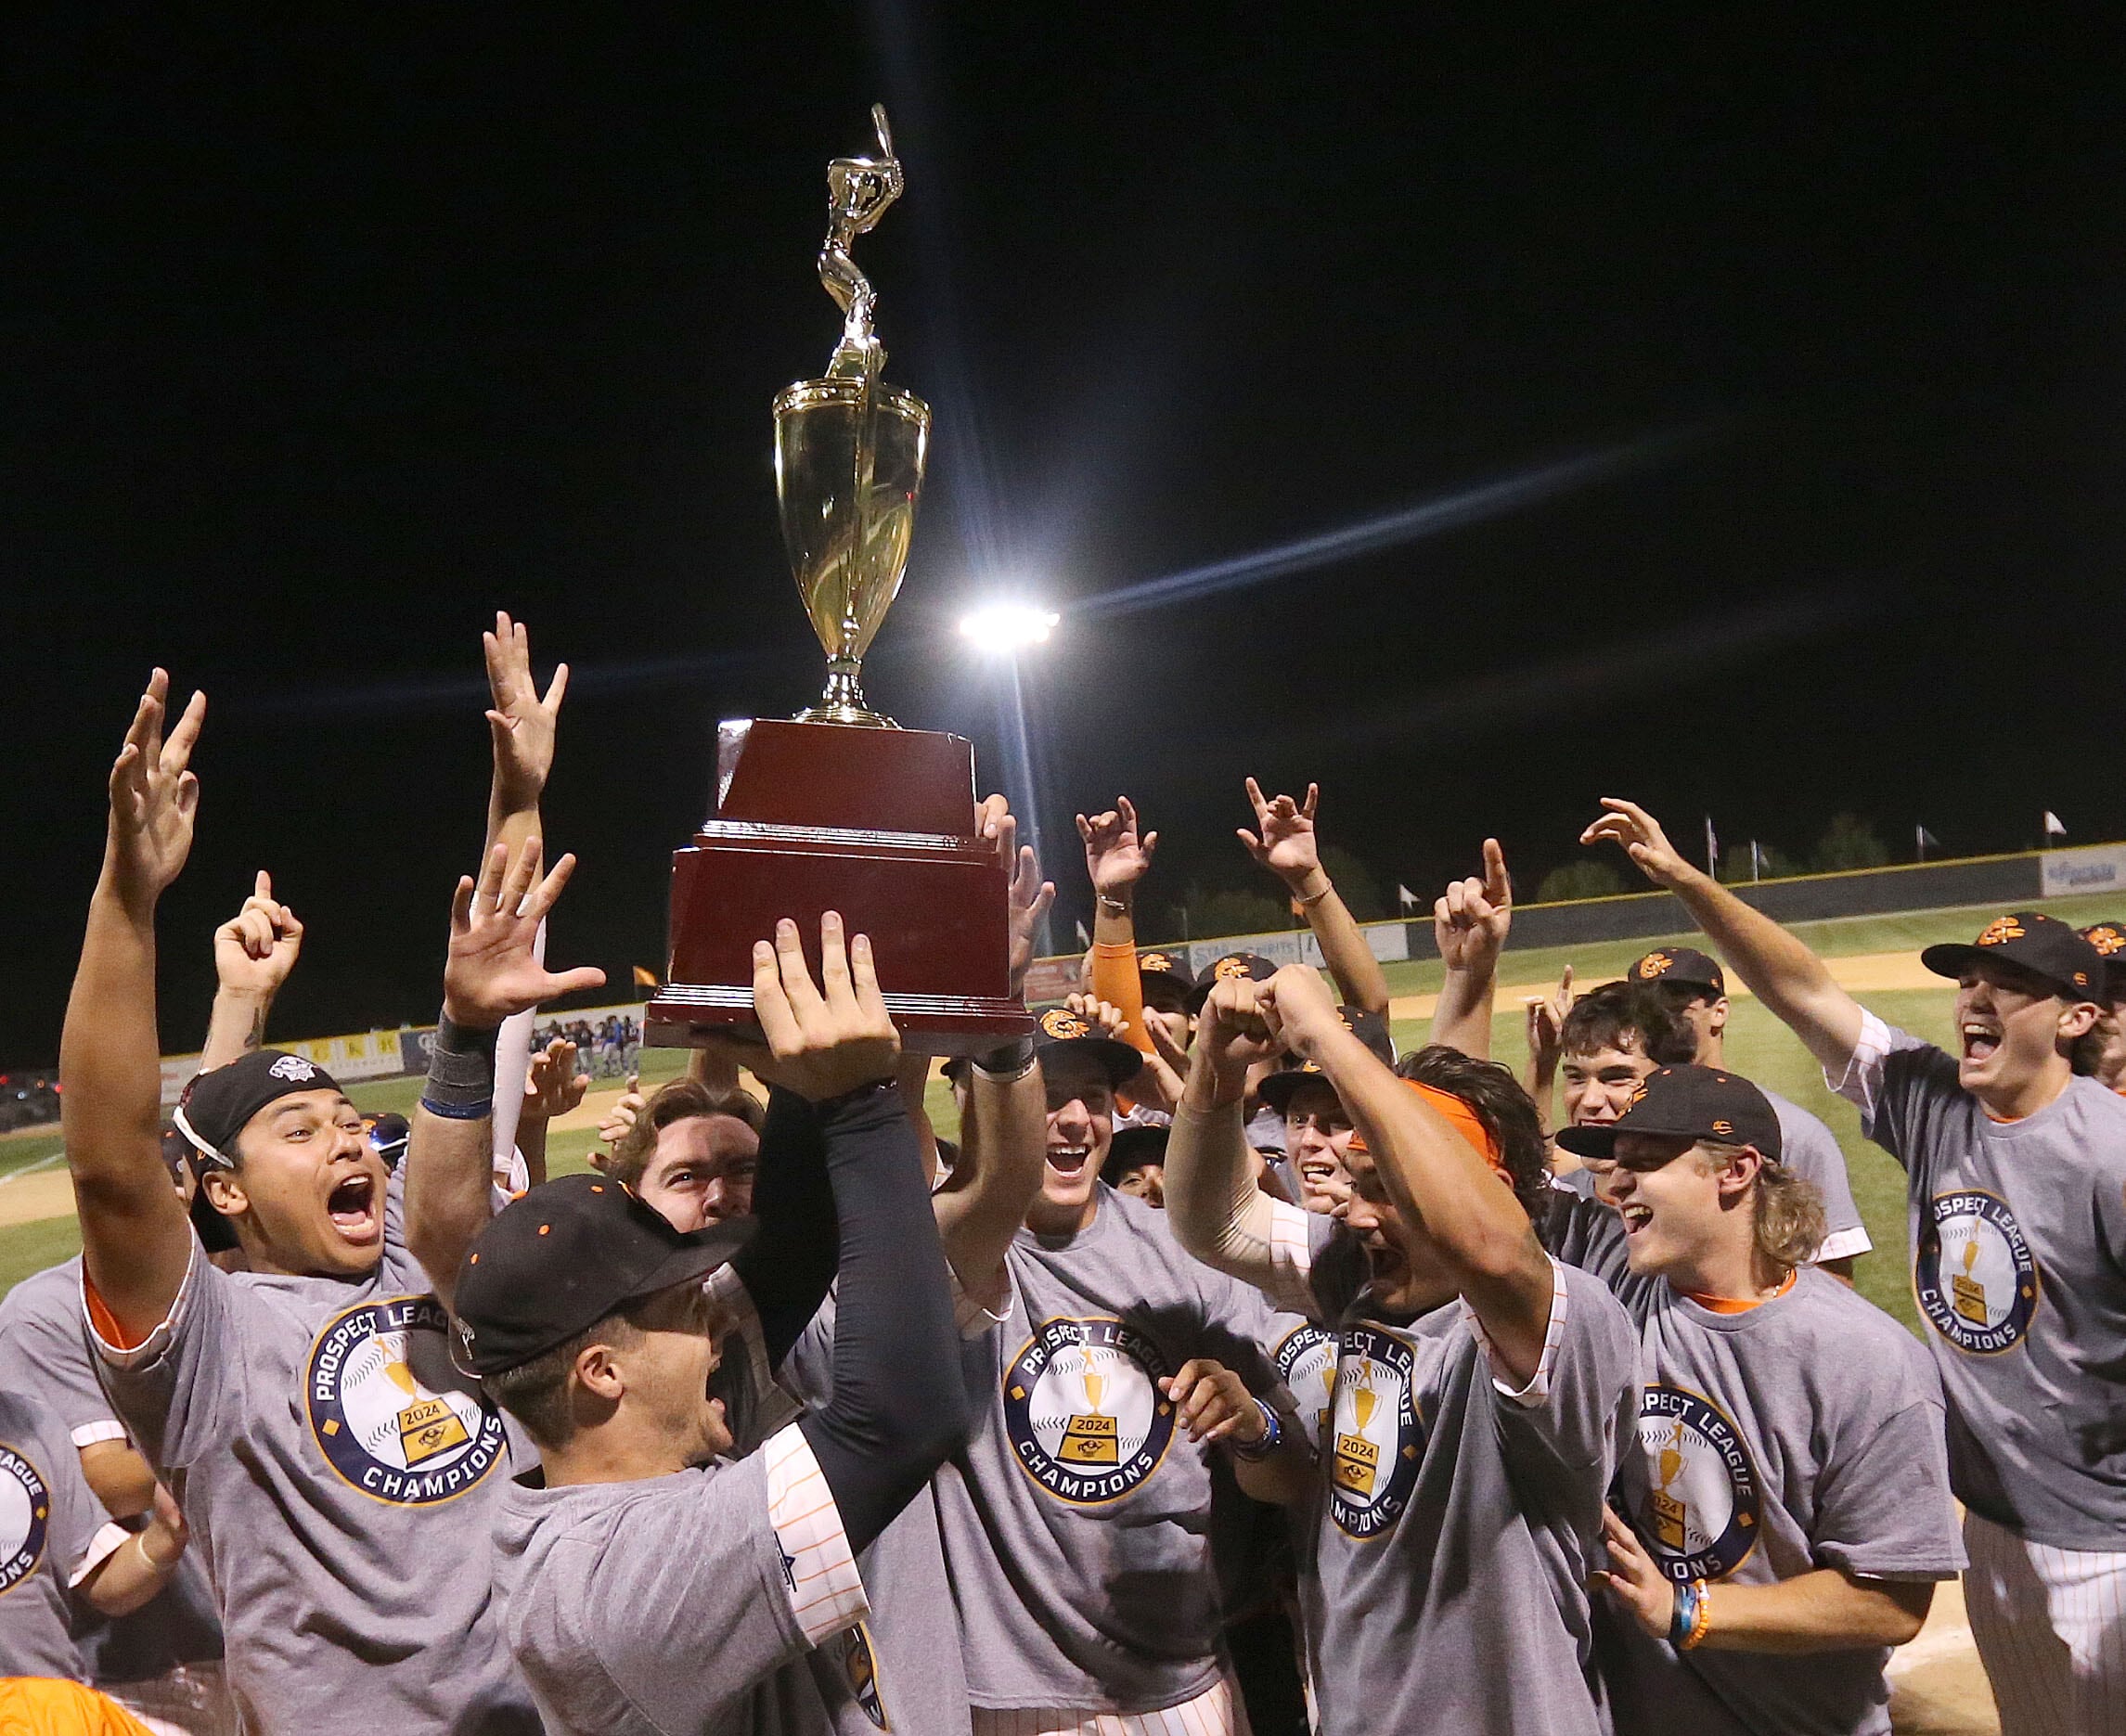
(1804, 1433)
(45, 1351)
(898, 1668)
(1444, 1577)
(340, 1479)
(1075, 1521)
(667, 1607)
(2018, 1232)
(1810, 1149)
(48, 1519)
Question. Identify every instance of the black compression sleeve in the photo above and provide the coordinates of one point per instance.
(790, 1262)
(900, 1402)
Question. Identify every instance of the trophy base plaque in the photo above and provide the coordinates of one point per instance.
(872, 822)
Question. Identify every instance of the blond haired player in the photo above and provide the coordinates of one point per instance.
(2017, 1214)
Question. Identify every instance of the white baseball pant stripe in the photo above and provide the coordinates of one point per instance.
(1214, 1712)
(2051, 1628)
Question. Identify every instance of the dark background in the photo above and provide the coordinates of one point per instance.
(323, 338)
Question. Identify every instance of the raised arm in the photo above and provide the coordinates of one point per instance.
(522, 722)
(1285, 843)
(1469, 925)
(136, 1239)
(1436, 1180)
(1213, 1205)
(1002, 1136)
(1780, 971)
(1116, 856)
(254, 951)
(489, 972)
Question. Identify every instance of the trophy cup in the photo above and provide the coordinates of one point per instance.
(840, 808)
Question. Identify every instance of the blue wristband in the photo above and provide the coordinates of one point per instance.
(1686, 1615)
(1272, 1435)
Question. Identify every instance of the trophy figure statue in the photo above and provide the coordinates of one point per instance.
(840, 808)
(849, 453)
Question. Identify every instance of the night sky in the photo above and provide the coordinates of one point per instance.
(325, 339)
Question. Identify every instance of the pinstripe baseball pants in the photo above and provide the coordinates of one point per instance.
(1214, 1712)
(2051, 1628)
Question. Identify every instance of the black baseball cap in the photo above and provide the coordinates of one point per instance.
(564, 1256)
(1686, 1102)
(2044, 945)
(1370, 1028)
(389, 1134)
(2110, 939)
(1134, 1146)
(216, 1105)
(1252, 966)
(1155, 964)
(1059, 1028)
(1684, 966)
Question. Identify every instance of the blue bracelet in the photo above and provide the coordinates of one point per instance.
(1272, 1435)
(1686, 1616)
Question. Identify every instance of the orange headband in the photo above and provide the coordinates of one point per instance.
(1458, 1115)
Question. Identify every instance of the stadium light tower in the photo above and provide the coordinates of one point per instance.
(1002, 632)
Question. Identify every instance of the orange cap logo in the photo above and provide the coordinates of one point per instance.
(1723, 1127)
(1655, 964)
(1229, 969)
(1062, 1024)
(1154, 961)
(2106, 939)
(1638, 1096)
(2000, 931)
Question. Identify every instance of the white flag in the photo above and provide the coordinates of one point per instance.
(1926, 841)
(1712, 850)
(2052, 828)
(1407, 897)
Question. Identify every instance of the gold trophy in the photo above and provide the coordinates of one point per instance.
(849, 453)
(1969, 1291)
(840, 808)
(1090, 1437)
(1671, 1516)
(1358, 1460)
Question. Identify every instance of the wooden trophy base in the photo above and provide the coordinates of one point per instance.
(873, 823)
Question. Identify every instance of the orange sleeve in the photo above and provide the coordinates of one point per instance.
(1116, 982)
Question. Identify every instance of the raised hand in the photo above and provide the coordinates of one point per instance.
(1166, 1071)
(1546, 1028)
(1116, 855)
(1030, 895)
(613, 1126)
(256, 949)
(1629, 824)
(1286, 845)
(552, 1085)
(1641, 1590)
(1470, 922)
(1298, 1012)
(154, 798)
(1232, 1034)
(1213, 1403)
(1104, 1017)
(822, 1041)
(522, 722)
(490, 972)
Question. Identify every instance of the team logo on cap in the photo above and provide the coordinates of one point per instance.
(1705, 1503)
(1084, 1411)
(390, 1413)
(25, 1518)
(1375, 1441)
(1154, 961)
(2000, 931)
(1231, 970)
(1306, 1361)
(1974, 1274)
(1638, 1096)
(292, 1068)
(2106, 939)
(1062, 1024)
(1655, 964)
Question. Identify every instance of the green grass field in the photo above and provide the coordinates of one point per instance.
(1758, 1045)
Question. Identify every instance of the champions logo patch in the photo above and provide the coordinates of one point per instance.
(389, 1411)
(856, 1661)
(1306, 1363)
(1973, 1274)
(1084, 1411)
(1704, 1504)
(25, 1518)
(1374, 1442)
